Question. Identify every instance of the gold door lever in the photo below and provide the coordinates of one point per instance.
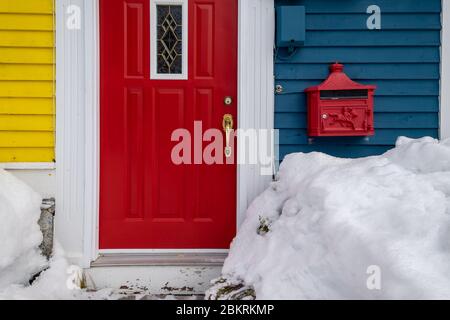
(228, 124)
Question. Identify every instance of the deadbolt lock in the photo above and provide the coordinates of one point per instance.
(228, 101)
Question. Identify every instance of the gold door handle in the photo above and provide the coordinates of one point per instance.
(228, 125)
(227, 122)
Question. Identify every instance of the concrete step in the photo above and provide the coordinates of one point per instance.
(156, 274)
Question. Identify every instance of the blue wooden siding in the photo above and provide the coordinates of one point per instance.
(402, 59)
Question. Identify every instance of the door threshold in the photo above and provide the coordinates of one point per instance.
(160, 259)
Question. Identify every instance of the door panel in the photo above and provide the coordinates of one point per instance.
(146, 201)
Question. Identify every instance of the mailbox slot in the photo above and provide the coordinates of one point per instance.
(343, 94)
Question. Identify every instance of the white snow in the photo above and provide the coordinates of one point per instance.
(334, 220)
(20, 257)
(330, 221)
(54, 284)
(20, 235)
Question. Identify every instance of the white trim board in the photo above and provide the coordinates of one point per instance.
(43, 181)
(255, 88)
(92, 133)
(27, 165)
(77, 130)
(445, 72)
(40, 176)
(77, 117)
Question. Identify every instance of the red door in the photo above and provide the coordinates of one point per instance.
(164, 66)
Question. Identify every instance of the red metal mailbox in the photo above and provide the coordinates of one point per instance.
(340, 107)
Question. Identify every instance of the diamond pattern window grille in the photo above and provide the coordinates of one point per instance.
(170, 39)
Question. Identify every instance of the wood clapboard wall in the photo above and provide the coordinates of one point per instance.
(26, 81)
(402, 59)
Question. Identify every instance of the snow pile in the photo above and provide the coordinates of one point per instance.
(55, 283)
(330, 228)
(20, 235)
(20, 256)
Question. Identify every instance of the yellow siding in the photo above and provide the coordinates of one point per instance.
(36, 22)
(26, 6)
(26, 106)
(26, 154)
(27, 81)
(26, 55)
(13, 122)
(27, 139)
(26, 72)
(40, 89)
(35, 39)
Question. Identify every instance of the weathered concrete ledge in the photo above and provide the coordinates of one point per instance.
(46, 222)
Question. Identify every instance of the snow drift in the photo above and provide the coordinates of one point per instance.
(20, 235)
(20, 256)
(326, 224)
(55, 283)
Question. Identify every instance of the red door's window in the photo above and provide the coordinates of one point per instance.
(168, 39)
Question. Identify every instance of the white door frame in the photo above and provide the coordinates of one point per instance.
(444, 112)
(78, 114)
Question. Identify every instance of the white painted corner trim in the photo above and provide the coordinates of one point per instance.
(77, 132)
(92, 133)
(444, 114)
(256, 83)
(78, 115)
